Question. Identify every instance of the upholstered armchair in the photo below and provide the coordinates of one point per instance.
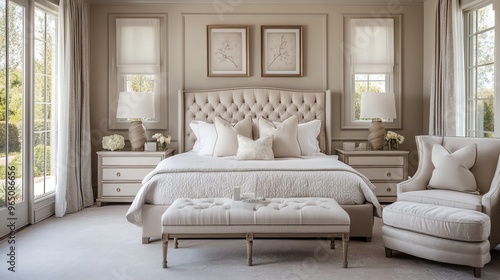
(486, 171)
(448, 224)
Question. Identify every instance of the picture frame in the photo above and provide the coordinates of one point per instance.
(281, 51)
(227, 50)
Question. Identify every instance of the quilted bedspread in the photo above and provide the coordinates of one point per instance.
(188, 175)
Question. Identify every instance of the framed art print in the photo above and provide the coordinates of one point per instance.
(227, 50)
(281, 51)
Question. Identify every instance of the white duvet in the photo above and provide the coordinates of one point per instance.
(192, 176)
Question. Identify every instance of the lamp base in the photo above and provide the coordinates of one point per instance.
(137, 136)
(376, 135)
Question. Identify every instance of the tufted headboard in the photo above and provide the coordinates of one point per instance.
(235, 104)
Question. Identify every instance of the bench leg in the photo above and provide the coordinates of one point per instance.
(332, 243)
(345, 247)
(164, 240)
(249, 248)
(176, 243)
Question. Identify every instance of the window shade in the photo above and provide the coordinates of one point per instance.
(138, 45)
(372, 45)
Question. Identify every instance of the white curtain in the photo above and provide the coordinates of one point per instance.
(447, 108)
(74, 176)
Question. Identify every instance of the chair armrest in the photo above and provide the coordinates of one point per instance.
(413, 184)
(491, 206)
(422, 176)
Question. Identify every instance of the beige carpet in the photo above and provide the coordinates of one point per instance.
(98, 243)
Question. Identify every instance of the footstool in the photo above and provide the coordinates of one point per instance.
(277, 217)
(438, 233)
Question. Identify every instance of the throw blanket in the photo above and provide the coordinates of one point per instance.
(191, 176)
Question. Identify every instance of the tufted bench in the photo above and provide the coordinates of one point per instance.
(442, 233)
(277, 217)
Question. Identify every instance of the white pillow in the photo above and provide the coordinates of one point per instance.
(196, 132)
(249, 149)
(451, 170)
(285, 142)
(207, 138)
(308, 137)
(227, 141)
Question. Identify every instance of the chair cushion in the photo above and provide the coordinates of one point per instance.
(444, 198)
(452, 170)
(440, 221)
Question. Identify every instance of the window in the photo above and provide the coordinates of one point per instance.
(45, 101)
(371, 64)
(368, 83)
(480, 72)
(12, 91)
(137, 64)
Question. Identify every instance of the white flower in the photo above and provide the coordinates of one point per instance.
(393, 136)
(113, 142)
(162, 139)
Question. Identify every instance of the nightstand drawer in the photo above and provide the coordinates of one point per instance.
(121, 174)
(127, 189)
(124, 161)
(383, 173)
(376, 160)
(385, 189)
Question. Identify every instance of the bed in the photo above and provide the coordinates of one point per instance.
(188, 174)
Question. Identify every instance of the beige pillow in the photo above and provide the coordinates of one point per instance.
(285, 142)
(227, 142)
(451, 170)
(249, 149)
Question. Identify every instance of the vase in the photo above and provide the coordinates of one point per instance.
(393, 145)
(163, 146)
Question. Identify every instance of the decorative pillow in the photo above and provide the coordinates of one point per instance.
(308, 137)
(249, 149)
(285, 141)
(451, 171)
(206, 138)
(227, 141)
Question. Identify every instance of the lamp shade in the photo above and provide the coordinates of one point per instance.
(135, 105)
(376, 105)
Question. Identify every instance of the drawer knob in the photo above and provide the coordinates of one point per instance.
(389, 174)
(389, 190)
(118, 190)
(118, 174)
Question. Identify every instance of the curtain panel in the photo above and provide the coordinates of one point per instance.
(74, 172)
(447, 91)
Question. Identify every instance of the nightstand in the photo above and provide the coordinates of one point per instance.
(384, 169)
(120, 173)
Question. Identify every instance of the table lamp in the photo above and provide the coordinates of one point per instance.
(377, 106)
(136, 107)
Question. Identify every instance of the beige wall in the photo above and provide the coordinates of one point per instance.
(322, 57)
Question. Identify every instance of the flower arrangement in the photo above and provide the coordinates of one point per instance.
(394, 139)
(163, 140)
(113, 142)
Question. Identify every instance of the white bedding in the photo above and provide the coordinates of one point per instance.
(192, 176)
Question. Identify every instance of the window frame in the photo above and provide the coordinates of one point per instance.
(51, 9)
(348, 121)
(117, 79)
(470, 122)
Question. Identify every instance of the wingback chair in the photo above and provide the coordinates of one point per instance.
(417, 199)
